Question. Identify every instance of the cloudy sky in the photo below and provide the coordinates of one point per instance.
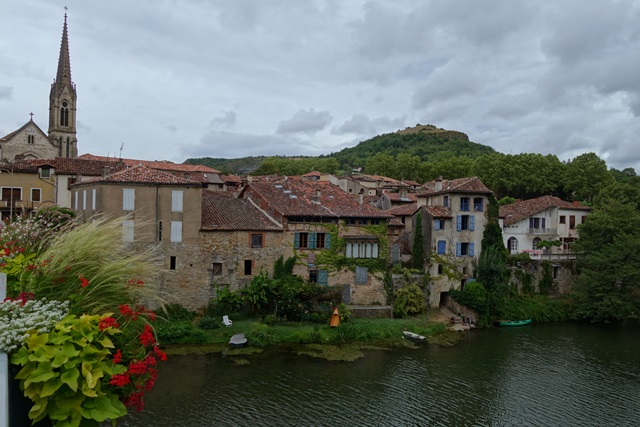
(174, 79)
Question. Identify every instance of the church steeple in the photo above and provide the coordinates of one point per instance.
(62, 103)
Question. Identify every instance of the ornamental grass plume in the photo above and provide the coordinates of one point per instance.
(91, 267)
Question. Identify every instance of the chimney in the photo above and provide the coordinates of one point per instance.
(105, 171)
(403, 193)
(316, 199)
(439, 183)
(576, 203)
(360, 198)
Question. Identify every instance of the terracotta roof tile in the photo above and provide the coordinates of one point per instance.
(439, 211)
(297, 197)
(460, 185)
(65, 166)
(155, 164)
(403, 210)
(225, 214)
(396, 197)
(525, 208)
(141, 175)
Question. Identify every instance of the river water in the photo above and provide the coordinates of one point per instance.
(541, 375)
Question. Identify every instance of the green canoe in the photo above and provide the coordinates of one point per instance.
(514, 322)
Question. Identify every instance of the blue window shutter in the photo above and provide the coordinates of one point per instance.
(323, 277)
(471, 249)
(459, 222)
(472, 222)
(296, 241)
(311, 242)
(327, 240)
(442, 246)
(458, 249)
(543, 222)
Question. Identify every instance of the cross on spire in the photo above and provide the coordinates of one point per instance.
(31, 114)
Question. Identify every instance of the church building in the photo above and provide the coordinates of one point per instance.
(30, 141)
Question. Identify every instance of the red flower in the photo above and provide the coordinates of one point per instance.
(107, 322)
(120, 380)
(83, 282)
(117, 357)
(146, 337)
(135, 401)
(159, 353)
(137, 368)
(126, 311)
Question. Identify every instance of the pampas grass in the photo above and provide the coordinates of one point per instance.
(90, 266)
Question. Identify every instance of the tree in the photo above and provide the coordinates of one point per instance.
(417, 251)
(585, 176)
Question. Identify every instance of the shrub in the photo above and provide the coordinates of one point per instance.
(260, 335)
(473, 296)
(409, 300)
(176, 312)
(182, 332)
(208, 323)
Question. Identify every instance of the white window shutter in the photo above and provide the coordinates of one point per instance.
(128, 199)
(127, 231)
(176, 200)
(176, 231)
(93, 199)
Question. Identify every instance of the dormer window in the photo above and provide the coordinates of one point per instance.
(45, 172)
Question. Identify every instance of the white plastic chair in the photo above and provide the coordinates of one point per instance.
(226, 321)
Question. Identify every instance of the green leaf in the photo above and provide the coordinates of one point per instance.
(36, 341)
(70, 378)
(38, 409)
(42, 373)
(50, 386)
(21, 357)
(106, 342)
(26, 371)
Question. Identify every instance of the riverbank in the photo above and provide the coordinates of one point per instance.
(344, 342)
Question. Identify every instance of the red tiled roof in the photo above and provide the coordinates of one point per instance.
(395, 197)
(460, 185)
(65, 166)
(438, 211)
(231, 178)
(395, 222)
(141, 175)
(156, 164)
(313, 173)
(403, 210)
(224, 214)
(221, 194)
(525, 208)
(294, 197)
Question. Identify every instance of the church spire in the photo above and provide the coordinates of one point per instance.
(62, 102)
(63, 77)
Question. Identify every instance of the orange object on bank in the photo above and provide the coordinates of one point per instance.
(335, 319)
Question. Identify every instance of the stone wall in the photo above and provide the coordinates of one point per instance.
(562, 270)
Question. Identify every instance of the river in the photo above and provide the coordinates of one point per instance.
(541, 375)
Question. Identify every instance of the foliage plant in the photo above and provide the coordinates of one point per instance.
(409, 300)
(417, 253)
(474, 296)
(76, 376)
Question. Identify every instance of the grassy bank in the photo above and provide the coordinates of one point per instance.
(345, 342)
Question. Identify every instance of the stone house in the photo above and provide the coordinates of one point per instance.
(337, 239)
(238, 239)
(159, 210)
(547, 218)
(394, 198)
(453, 215)
(25, 187)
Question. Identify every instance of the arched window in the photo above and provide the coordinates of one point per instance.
(512, 244)
(535, 243)
(64, 114)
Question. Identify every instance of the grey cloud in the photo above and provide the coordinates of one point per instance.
(305, 121)
(452, 80)
(6, 92)
(363, 125)
(227, 119)
(171, 128)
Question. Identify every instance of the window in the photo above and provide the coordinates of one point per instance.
(44, 172)
(537, 223)
(465, 222)
(11, 194)
(440, 269)
(93, 199)
(70, 182)
(563, 219)
(176, 231)
(247, 267)
(257, 240)
(176, 200)
(445, 201)
(442, 247)
(478, 204)
(128, 199)
(64, 114)
(464, 204)
(75, 200)
(375, 222)
(535, 242)
(464, 249)
(361, 249)
(584, 218)
(351, 221)
(31, 139)
(216, 269)
(36, 195)
(311, 240)
(572, 221)
(172, 262)
(84, 200)
(512, 244)
(362, 275)
(159, 231)
(439, 224)
(127, 230)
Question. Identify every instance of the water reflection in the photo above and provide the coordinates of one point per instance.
(535, 376)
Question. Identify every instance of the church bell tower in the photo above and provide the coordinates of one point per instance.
(62, 103)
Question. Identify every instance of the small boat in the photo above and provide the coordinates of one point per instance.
(238, 341)
(412, 336)
(514, 322)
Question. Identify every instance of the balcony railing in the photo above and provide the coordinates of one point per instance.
(543, 231)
